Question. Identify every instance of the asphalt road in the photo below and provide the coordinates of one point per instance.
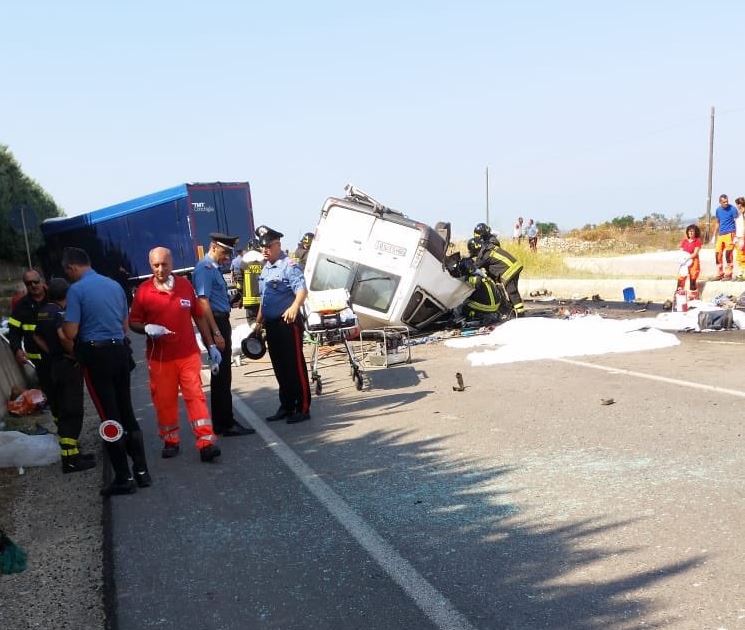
(521, 502)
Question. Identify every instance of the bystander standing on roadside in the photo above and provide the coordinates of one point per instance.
(518, 230)
(740, 238)
(163, 309)
(532, 233)
(724, 244)
(212, 291)
(96, 320)
(691, 266)
(283, 292)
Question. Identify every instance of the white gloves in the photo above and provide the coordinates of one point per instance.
(156, 330)
(215, 358)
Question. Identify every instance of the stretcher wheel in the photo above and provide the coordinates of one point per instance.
(319, 386)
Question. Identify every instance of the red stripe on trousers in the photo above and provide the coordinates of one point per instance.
(94, 396)
(302, 373)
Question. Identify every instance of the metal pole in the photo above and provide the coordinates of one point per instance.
(25, 236)
(711, 170)
(487, 196)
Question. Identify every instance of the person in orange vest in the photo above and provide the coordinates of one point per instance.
(163, 309)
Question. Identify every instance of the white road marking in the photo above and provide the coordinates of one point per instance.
(430, 601)
(724, 343)
(662, 379)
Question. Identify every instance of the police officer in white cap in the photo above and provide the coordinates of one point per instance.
(212, 291)
(282, 288)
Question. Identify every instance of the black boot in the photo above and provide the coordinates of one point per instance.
(76, 463)
(123, 482)
(136, 450)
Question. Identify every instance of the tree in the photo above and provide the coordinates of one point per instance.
(623, 222)
(18, 192)
(547, 229)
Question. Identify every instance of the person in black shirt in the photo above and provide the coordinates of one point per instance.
(65, 393)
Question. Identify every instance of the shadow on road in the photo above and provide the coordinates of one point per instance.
(458, 521)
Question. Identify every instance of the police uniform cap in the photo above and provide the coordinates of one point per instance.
(267, 235)
(224, 240)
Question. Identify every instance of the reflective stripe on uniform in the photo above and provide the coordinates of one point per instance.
(202, 422)
(208, 438)
(29, 327)
(69, 452)
(67, 441)
(33, 355)
(170, 437)
(14, 322)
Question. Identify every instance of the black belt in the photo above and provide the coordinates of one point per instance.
(221, 315)
(103, 344)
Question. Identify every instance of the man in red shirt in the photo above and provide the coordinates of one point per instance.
(163, 309)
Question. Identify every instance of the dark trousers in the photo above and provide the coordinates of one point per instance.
(285, 345)
(43, 369)
(221, 400)
(106, 372)
(67, 396)
(513, 294)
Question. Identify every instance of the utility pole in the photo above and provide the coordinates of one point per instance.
(711, 170)
(25, 235)
(487, 196)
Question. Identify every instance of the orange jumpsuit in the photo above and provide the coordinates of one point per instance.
(174, 360)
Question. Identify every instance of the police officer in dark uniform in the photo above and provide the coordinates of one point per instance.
(283, 292)
(66, 378)
(22, 325)
(212, 291)
(96, 318)
(501, 266)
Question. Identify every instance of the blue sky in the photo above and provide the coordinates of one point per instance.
(582, 110)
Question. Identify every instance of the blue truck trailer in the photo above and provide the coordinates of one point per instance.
(118, 238)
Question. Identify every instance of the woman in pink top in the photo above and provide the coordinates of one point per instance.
(691, 244)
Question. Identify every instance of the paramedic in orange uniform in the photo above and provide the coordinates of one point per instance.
(163, 309)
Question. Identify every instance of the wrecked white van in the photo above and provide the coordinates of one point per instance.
(393, 267)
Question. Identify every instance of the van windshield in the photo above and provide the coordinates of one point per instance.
(368, 287)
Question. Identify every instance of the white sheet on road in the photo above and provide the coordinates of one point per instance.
(533, 338)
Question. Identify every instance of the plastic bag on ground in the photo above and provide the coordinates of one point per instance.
(28, 402)
(18, 449)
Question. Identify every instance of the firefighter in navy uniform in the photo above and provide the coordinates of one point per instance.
(96, 318)
(66, 378)
(484, 303)
(22, 325)
(283, 292)
(252, 263)
(301, 253)
(483, 233)
(500, 266)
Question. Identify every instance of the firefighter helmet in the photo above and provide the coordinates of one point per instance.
(482, 231)
(307, 239)
(474, 246)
